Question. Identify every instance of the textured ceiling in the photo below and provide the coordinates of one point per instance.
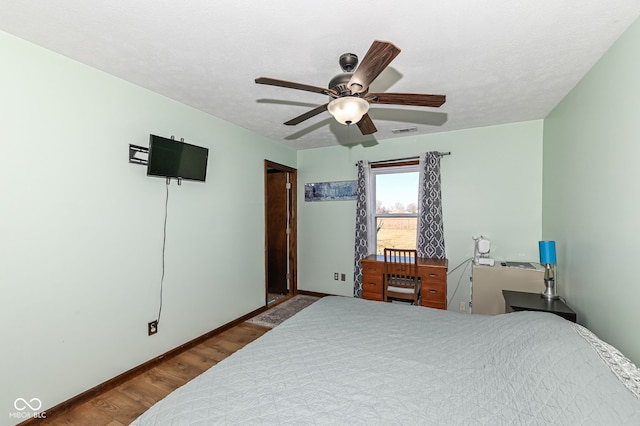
(497, 61)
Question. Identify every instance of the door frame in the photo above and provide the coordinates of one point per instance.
(293, 229)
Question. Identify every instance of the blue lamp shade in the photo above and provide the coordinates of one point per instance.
(547, 252)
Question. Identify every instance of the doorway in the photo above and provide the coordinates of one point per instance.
(280, 232)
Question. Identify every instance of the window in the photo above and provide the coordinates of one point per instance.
(395, 212)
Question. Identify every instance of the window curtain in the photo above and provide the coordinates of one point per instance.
(363, 226)
(430, 239)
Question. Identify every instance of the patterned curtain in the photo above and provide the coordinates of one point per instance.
(430, 227)
(363, 227)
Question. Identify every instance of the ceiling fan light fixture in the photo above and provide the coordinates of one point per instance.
(348, 110)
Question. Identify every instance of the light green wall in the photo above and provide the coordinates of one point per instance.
(491, 185)
(591, 186)
(81, 228)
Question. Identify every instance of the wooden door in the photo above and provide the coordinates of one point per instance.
(280, 229)
(277, 225)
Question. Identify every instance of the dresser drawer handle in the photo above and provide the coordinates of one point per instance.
(431, 274)
(433, 291)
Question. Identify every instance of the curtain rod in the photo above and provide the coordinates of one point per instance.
(405, 158)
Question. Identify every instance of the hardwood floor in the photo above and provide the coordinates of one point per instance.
(124, 403)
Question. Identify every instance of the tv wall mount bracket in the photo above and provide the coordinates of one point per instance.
(138, 154)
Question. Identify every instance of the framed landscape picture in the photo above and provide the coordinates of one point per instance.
(330, 191)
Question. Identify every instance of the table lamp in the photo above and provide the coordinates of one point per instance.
(548, 260)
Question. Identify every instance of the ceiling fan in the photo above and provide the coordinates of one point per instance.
(349, 90)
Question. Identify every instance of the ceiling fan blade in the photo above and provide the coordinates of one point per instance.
(299, 119)
(299, 86)
(412, 99)
(380, 54)
(366, 125)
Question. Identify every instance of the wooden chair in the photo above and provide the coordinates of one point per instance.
(401, 275)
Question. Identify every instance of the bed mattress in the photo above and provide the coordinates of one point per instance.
(358, 362)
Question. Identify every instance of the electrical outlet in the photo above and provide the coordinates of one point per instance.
(343, 277)
(153, 327)
(463, 307)
(335, 276)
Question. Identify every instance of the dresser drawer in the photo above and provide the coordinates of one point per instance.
(434, 305)
(435, 275)
(372, 284)
(372, 296)
(373, 268)
(433, 295)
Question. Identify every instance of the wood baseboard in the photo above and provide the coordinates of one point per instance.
(72, 402)
(313, 293)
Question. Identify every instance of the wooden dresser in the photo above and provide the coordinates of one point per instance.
(432, 273)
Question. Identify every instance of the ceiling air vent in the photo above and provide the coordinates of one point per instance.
(405, 130)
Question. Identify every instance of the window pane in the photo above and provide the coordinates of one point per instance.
(396, 232)
(397, 193)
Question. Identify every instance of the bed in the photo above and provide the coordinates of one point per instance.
(358, 362)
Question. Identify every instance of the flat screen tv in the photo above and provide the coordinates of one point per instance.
(174, 159)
